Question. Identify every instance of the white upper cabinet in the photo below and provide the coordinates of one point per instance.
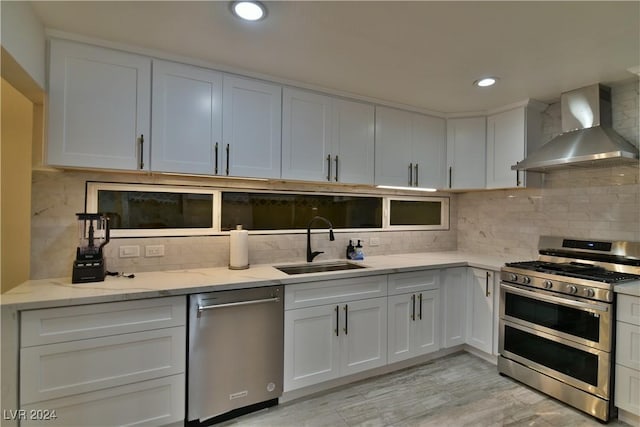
(326, 139)
(352, 142)
(99, 107)
(466, 152)
(510, 136)
(410, 149)
(251, 128)
(187, 118)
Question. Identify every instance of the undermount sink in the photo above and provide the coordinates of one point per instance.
(318, 268)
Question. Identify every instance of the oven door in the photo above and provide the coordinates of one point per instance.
(582, 321)
(585, 368)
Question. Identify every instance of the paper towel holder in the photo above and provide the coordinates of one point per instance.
(231, 240)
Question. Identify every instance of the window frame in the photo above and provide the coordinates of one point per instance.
(445, 213)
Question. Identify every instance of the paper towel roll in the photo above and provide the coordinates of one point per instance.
(238, 249)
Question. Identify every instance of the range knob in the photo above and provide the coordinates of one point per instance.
(514, 277)
(589, 292)
(548, 284)
(526, 280)
(572, 289)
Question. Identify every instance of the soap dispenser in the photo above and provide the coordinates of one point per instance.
(351, 250)
(359, 255)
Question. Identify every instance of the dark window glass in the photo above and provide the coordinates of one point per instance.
(569, 320)
(148, 209)
(559, 357)
(410, 212)
(266, 211)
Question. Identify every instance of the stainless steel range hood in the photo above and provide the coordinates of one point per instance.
(587, 138)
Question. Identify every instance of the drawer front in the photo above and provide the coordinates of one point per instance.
(627, 392)
(628, 345)
(54, 325)
(628, 309)
(414, 281)
(147, 403)
(63, 369)
(334, 291)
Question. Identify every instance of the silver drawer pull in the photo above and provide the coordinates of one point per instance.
(202, 308)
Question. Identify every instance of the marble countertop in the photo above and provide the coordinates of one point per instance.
(61, 292)
(58, 292)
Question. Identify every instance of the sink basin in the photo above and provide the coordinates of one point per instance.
(319, 267)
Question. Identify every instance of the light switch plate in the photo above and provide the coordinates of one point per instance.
(374, 241)
(153, 250)
(129, 251)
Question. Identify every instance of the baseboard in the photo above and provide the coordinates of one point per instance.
(628, 417)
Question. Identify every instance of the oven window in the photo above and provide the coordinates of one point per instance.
(562, 358)
(569, 320)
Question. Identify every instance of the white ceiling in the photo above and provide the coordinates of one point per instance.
(423, 54)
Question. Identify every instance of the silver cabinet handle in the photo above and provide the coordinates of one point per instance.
(486, 285)
(328, 167)
(336, 168)
(416, 169)
(228, 151)
(202, 308)
(141, 139)
(215, 150)
(420, 302)
(337, 329)
(346, 319)
(410, 174)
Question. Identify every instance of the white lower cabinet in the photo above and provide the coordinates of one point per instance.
(414, 325)
(480, 310)
(130, 372)
(334, 328)
(454, 303)
(627, 380)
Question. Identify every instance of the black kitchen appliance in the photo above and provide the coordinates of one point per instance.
(93, 233)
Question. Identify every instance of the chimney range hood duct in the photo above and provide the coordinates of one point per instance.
(587, 138)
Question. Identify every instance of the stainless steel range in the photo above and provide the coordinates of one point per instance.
(557, 319)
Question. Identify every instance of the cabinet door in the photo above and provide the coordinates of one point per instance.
(187, 118)
(353, 142)
(428, 143)
(427, 322)
(252, 128)
(364, 335)
(306, 135)
(311, 353)
(466, 152)
(393, 147)
(400, 309)
(454, 295)
(505, 147)
(480, 310)
(99, 107)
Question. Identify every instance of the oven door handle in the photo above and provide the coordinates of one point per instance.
(557, 300)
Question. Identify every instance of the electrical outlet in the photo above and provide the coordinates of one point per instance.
(374, 241)
(154, 250)
(129, 251)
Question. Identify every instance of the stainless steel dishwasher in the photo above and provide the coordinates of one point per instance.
(236, 341)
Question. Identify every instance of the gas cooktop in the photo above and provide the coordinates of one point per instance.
(577, 270)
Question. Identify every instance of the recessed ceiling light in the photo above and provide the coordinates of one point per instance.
(486, 81)
(249, 10)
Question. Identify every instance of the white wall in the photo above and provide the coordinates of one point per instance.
(22, 35)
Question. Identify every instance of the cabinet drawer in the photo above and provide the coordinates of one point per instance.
(628, 345)
(334, 291)
(58, 370)
(54, 325)
(628, 309)
(414, 281)
(627, 393)
(146, 403)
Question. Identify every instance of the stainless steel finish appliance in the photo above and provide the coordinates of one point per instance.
(557, 318)
(236, 341)
(587, 138)
(93, 233)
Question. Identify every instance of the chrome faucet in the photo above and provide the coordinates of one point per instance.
(312, 255)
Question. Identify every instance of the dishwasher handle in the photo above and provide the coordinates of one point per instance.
(202, 308)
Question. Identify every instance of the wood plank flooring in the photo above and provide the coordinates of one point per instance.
(457, 390)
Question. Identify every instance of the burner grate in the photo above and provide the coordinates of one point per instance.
(576, 270)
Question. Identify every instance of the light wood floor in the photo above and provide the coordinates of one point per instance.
(457, 390)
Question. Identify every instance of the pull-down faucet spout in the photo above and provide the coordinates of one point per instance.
(311, 255)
